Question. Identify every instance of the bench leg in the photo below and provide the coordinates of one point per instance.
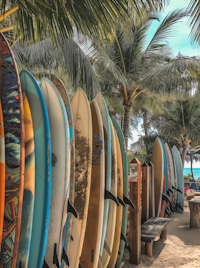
(148, 248)
(164, 234)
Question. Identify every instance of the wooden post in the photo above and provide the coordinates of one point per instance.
(135, 215)
(145, 192)
(194, 205)
(164, 234)
(151, 191)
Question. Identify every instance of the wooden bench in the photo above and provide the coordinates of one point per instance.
(151, 229)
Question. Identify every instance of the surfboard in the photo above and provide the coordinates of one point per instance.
(29, 188)
(165, 183)
(118, 226)
(170, 167)
(158, 161)
(82, 120)
(125, 186)
(179, 172)
(91, 246)
(12, 108)
(63, 92)
(42, 141)
(108, 161)
(110, 231)
(2, 173)
(60, 147)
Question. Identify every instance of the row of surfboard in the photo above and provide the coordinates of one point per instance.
(63, 175)
(168, 180)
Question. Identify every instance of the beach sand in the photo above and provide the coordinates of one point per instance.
(181, 249)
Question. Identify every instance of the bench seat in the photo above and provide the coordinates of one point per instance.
(151, 229)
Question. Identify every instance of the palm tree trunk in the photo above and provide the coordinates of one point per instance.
(191, 162)
(183, 155)
(126, 123)
(145, 125)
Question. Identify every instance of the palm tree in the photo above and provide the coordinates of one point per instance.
(32, 19)
(180, 121)
(131, 65)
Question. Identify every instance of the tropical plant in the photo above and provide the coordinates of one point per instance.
(180, 121)
(32, 19)
(131, 64)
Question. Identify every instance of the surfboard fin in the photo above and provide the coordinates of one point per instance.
(71, 209)
(177, 189)
(64, 257)
(55, 257)
(165, 198)
(178, 205)
(127, 201)
(123, 238)
(20, 264)
(45, 265)
(168, 193)
(119, 253)
(109, 195)
(79, 266)
(107, 248)
(128, 247)
(168, 213)
(170, 190)
(121, 202)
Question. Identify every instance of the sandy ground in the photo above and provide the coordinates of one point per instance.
(181, 249)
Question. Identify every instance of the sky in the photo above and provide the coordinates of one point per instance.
(180, 43)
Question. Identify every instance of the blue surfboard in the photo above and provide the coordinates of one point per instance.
(165, 171)
(42, 142)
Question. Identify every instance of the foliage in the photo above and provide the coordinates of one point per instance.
(33, 19)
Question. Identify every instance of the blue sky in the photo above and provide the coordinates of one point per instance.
(180, 42)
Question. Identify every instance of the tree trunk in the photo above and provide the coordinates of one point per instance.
(145, 125)
(183, 155)
(191, 160)
(126, 124)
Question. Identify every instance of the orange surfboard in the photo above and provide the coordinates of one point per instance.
(2, 173)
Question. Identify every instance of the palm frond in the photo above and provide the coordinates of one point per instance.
(166, 28)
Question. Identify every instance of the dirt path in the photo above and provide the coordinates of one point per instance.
(181, 249)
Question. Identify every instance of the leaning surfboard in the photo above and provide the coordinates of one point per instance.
(60, 147)
(42, 141)
(82, 120)
(29, 188)
(67, 232)
(108, 161)
(2, 173)
(165, 183)
(125, 186)
(158, 161)
(12, 107)
(118, 226)
(179, 172)
(91, 246)
(110, 231)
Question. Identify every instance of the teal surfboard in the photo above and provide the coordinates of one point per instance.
(42, 142)
(179, 173)
(165, 173)
(125, 186)
(108, 160)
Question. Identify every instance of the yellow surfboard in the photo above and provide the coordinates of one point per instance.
(118, 225)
